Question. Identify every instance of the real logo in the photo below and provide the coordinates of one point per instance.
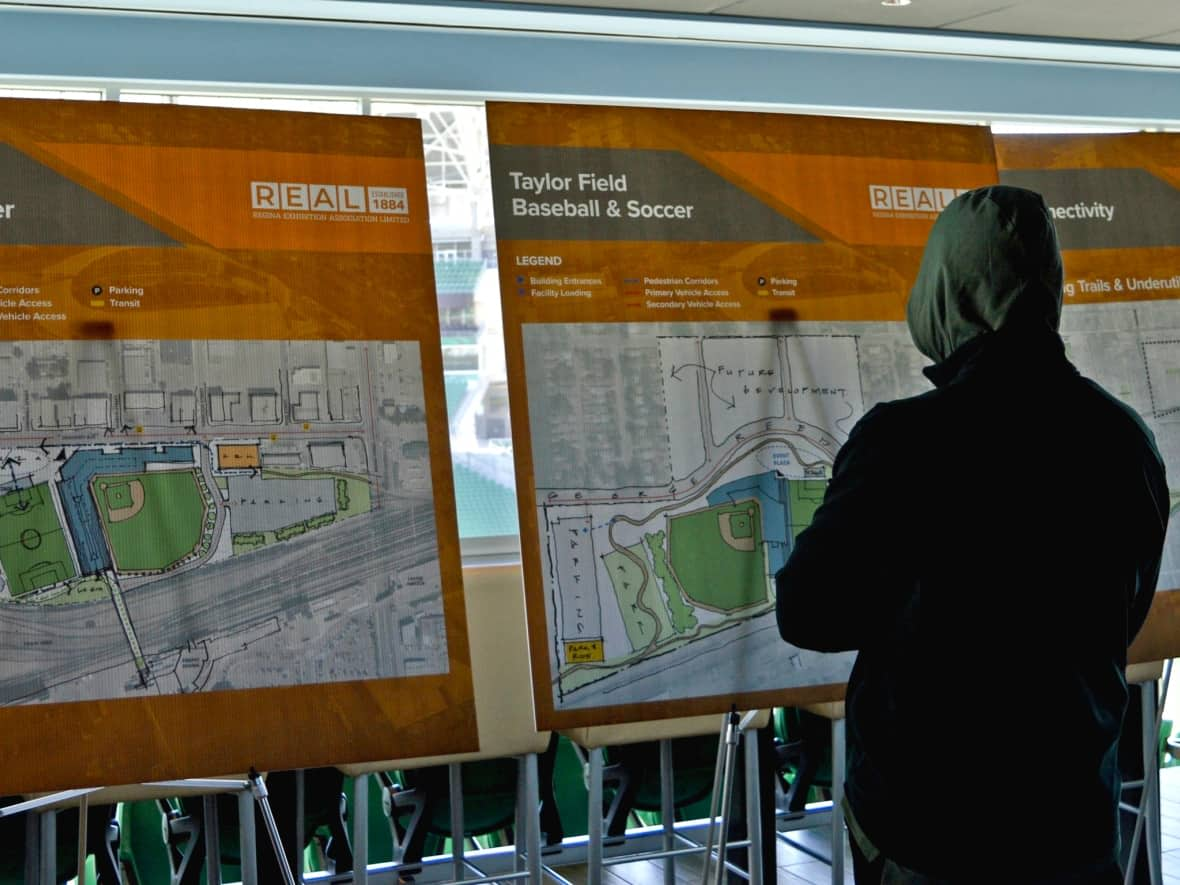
(908, 198)
(296, 196)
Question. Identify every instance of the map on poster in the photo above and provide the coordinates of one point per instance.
(698, 307)
(146, 484)
(662, 557)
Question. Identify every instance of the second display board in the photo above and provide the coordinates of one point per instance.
(698, 306)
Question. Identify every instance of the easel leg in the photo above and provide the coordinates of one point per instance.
(753, 806)
(731, 741)
(532, 817)
(48, 846)
(455, 772)
(837, 802)
(714, 801)
(1151, 772)
(32, 847)
(594, 821)
(300, 835)
(247, 838)
(521, 844)
(83, 814)
(258, 788)
(212, 840)
(360, 829)
(1147, 821)
(668, 808)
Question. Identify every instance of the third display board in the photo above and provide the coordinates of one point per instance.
(1115, 201)
(698, 306)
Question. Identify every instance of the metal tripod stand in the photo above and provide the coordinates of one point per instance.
(732, 729)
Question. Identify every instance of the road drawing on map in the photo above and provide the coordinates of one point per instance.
(676, 463)
(183, 516)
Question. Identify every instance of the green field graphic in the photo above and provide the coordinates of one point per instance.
(805, 496)
(645, 617)
(717, 555)
(33, 551)
(152, 520)
(683, 619)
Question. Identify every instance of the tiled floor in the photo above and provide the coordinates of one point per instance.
(796, 867)
(1170, 823)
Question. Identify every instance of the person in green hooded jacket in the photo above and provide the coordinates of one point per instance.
(989, 548)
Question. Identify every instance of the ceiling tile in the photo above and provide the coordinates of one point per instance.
(921, 14)
(1080, 19)
(1157, 21)
(685, 7)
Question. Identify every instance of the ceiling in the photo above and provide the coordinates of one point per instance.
(1138, 21)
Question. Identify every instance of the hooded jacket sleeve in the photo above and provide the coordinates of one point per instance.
(843, 574)
(1149, 538)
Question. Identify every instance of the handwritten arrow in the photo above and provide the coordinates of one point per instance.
(730, 403)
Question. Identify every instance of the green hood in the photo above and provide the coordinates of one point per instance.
(991, 262)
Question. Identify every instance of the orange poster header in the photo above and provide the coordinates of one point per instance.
(1115, 201)
(654, 214)
(161, 221)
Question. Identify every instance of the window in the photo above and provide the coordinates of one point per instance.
(256, 102)
(459, 189)
(454, 141)
(72, 94)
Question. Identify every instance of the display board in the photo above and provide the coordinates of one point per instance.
(698, 306)
(223, 436)
(1115, 201)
